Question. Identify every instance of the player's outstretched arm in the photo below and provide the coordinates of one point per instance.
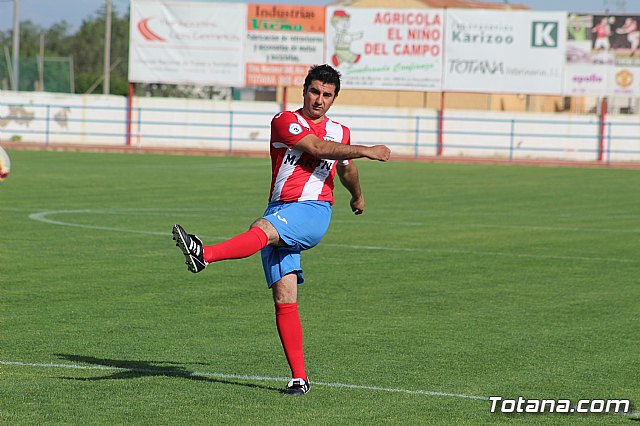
(336, 151)
(349, 178)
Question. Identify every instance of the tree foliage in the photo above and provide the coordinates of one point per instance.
(85, 47)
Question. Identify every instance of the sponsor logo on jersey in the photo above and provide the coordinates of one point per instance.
(295, 129)
(309, 163)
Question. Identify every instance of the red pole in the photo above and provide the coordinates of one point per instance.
(440, 142)
(129, 112)
(440, 126)
(284, 98)
(601, 131)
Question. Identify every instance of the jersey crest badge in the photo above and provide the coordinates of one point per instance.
(295, 129)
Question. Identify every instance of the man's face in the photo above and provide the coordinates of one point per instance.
(318, 98)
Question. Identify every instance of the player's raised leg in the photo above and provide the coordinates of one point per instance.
(198, 256)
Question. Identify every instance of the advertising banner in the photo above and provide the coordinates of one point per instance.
(603, 55)
(187, 43)
(504, 51)
(386, 49)
(583, 74)
(282, 43)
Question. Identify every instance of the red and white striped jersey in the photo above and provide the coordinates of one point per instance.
(297, 175)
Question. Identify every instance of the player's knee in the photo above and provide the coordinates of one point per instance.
(268, 228)
(286, 289)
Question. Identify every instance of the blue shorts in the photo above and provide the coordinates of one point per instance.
(301, 226)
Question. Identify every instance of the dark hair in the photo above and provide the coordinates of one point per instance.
(324, 73)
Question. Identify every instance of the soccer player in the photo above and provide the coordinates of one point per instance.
(307, 149)
(602, 32)
(630, 28)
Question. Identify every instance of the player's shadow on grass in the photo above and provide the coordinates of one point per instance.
(136, 369)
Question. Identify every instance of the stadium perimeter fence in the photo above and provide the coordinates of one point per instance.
(239, 127)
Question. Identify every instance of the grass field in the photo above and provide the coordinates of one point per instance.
(464, 280)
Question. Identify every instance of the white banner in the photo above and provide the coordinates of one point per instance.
(187, 43)
(504, 51)
(386, 49)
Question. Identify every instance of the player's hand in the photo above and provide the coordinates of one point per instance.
(379, 152)
(357, 204)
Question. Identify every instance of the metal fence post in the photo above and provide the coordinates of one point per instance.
(139, 135)
(440, 133)
(129, 111)
(608, 143)
(48, 126)
(417, 137)
(511, 136)
(230, 132)
(601, 127)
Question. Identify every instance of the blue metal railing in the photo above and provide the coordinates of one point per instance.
(415, 135)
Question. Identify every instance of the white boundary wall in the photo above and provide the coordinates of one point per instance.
(202, 124)
(60, 118)
(236, 126)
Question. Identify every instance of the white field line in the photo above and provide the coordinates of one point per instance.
(483, 225)
(237, 376)
(43, 217)
(186, 374)
(351, 219)
(484, 253)
(557, 228)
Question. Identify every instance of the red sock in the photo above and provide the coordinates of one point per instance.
(238, 247)
(290, 331)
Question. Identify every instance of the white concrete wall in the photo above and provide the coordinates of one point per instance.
(58, 118)
(405, 130)
(244, 126)
(202, 124)
(623, 139)
(521, 136)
